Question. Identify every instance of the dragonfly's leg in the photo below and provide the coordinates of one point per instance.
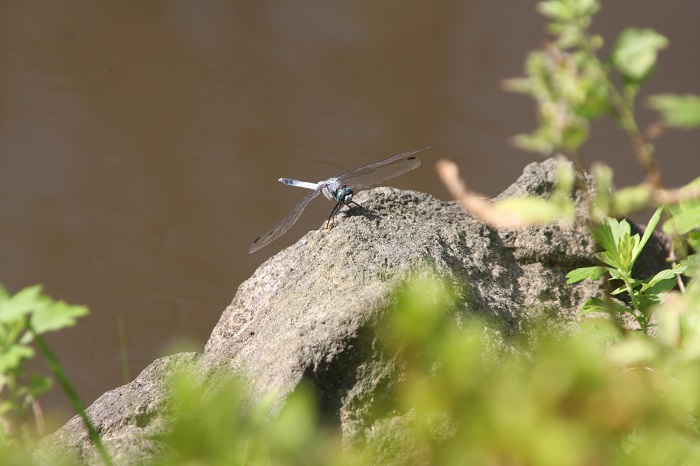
(353, 202)
(332, 215)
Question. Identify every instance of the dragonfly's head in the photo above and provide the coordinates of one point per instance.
(344, 194)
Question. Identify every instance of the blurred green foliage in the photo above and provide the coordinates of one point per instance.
(547, 400)
(559, 207)
(572, 85)
(469, 396)
(214, 424)
(676, 110)
(23, 316)
(683, 225)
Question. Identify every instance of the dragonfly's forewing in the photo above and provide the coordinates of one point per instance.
(370, 175)
(285, 224)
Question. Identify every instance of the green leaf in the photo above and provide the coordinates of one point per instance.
(579, 11)
(619, 246)
(693, 238)
(693, 263)
(592, 305)
(662, 286)
(54, 316)
(536, 142)
(679, 111)
(615, 274)
(590, 273)
(636, 51)
(665, 275)
(12, 357)
(614, 237)
(631, 199)
(618, 290)
(684, 220)
(648, 299)
(603, 235)
(554, 9)
(599, 305)
(606, 258)
(586, 8)
(653, 221)
(620, 230)
(20, 304)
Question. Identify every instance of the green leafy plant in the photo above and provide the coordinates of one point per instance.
(683, 225)
(621, 250)
(214, 423)
(24, 318)
(573, 86)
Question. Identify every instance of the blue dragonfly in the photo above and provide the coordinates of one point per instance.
(341, 190)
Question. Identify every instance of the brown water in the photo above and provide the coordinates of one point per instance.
(140, 142)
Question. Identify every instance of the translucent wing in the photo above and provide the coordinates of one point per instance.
(370, 175)
(285, 224)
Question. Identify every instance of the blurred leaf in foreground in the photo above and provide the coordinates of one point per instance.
(678, 111)
(636, 51)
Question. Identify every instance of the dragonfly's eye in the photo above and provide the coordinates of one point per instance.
(344, 194)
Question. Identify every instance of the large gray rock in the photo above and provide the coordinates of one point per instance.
(309, 313)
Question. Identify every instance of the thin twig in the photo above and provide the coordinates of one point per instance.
(71, 393)
(472, 202)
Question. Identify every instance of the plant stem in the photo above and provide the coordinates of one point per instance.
(643, 323)
(70, 392)
(625, 113)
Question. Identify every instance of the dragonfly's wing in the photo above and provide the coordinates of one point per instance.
(370, 175)
(283, 225)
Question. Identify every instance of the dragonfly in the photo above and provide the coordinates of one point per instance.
(341, 190)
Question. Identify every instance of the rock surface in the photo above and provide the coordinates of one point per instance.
(309, 312)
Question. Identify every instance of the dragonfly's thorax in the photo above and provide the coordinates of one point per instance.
(335, 191)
